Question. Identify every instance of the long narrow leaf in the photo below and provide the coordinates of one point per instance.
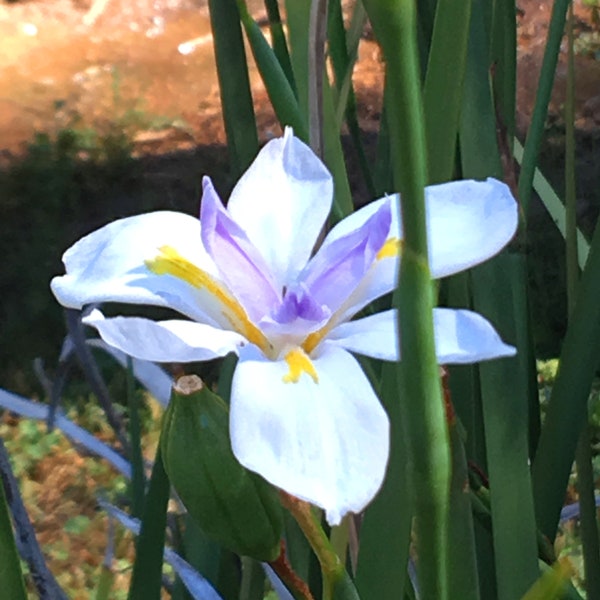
(444, 79)
(279, 42)
(146, 580)
(11, 576)
(387, 522)
(542, 99)
(278, 87)
(567, 409)
(499, 293)
(554, 206)
(234, 84)
(463, 580)
(138, 476)
(504, 60)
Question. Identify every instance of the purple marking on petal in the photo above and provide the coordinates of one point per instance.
(239, 262)
(337, 269)
(299, 303)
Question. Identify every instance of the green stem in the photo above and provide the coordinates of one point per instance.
(331, 566)
(394, 24)
(337, 584)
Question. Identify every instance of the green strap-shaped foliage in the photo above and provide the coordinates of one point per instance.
(567, 409)
(146, 580)
(542, 99)
(385, 532)
(234, 84)
(138, 479)
(500, 294)
(278, 87)
(279, 42)
(442, 93)
(11, 577)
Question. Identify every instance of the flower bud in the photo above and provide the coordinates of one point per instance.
(234, 506)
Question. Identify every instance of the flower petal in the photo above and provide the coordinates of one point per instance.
(282, 202)
(110, 265)
(373, 336)
(240, 264)
(165, 341)
(464, 336)
(338, 267)
(324, 442)
(467, 221)
(461, 337)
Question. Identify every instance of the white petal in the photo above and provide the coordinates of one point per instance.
(464, 336)
(461, 336)
(324, 442)
(165, 341)
(468, 222)
(282, 202)
(373, 336)
(108, 265)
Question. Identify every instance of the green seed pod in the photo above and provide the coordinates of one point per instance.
(234, 506)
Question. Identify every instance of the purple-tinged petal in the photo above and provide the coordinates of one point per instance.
(339, 267)
(468, 222)
(281, 202)
(297, 317)
(298, 302)
(240, 264)
(326, 442)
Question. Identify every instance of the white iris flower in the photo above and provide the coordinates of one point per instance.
(303, 413)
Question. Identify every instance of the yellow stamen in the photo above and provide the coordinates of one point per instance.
(299, 363)
(391, 248)
(170, 262)
(313, 339)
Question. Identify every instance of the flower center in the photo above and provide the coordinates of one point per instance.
(170, 262)
(298, 363)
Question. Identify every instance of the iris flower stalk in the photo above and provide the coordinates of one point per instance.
(248, 279)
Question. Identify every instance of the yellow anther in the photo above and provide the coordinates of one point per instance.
(313, 339)
(170, 262)
(299, 363)
(390, 249)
